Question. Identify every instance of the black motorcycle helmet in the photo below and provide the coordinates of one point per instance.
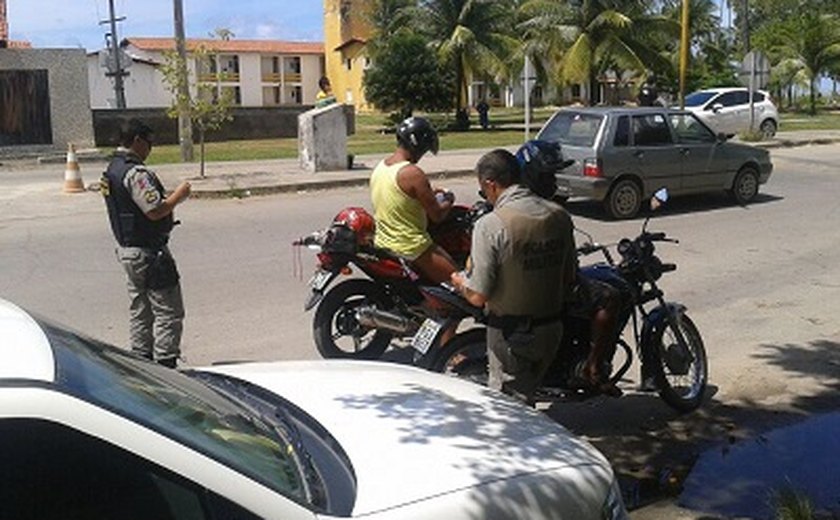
(540, 161)
(417, 135)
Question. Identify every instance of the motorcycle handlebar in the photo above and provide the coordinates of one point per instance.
(661, 237)
(588, 249)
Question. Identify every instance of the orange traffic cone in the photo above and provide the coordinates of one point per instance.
(72, 176)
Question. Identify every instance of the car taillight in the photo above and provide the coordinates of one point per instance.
(591, 168)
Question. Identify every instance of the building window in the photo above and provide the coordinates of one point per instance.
(349, 63)
(271, 96)
(294, 95)
(234, 93)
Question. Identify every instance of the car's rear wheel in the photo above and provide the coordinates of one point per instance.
(767, 128)
(745, 185)
(623, 200)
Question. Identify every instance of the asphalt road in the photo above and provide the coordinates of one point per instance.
(761, 282)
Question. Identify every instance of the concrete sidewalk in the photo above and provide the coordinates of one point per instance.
(248, 178)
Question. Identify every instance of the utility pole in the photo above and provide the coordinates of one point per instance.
(117, 72)
(184, 119)
(685, 42)
(747, 47)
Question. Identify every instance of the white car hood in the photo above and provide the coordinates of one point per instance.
(411, 434)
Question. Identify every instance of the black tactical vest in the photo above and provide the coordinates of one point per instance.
(131, 227)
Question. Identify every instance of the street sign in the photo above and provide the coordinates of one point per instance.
(757, 63)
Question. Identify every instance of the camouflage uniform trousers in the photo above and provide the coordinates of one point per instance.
(156, 315)
(517, 367)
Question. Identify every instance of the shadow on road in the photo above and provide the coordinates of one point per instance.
(653, 448)
(678, 205)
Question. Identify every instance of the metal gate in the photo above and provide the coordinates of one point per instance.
(25, 108)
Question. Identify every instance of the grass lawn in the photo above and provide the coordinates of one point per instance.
(506, 130)
(826, 120)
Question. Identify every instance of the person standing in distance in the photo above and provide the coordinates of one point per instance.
(404, 201)
(522, 273)
(141, 217)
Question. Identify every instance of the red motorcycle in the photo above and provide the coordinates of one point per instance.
(360, 316)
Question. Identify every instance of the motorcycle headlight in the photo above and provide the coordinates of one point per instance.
(613, 508)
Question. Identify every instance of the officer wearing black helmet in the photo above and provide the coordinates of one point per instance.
(141, 220)
(404, 201)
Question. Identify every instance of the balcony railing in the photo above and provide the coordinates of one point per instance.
(272, 77)
(287, 77)
(222, 77)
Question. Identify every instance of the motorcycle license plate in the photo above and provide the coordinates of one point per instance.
(425, 337)
(319, 280)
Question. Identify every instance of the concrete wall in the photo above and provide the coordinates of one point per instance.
(144, 86)
(322, 139)
(248, 123)
(250, 82)
(68, 90)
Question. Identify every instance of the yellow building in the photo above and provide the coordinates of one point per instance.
(346, 32)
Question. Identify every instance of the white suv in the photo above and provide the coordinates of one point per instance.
(727, 110)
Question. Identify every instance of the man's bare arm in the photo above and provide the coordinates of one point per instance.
(176, 197)
(475, 298)
(414, 183)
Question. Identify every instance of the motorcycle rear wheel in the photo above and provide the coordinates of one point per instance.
(335, 321)
(681, 376)
(464, 356)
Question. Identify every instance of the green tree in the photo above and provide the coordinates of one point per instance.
(473, 37)
(589, 37)
(209, 109)
(387, 18)
(812, 39)
(405, 75)
(711, 47)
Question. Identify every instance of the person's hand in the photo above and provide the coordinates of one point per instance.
(183, 190)
(444, 196)
(457, 279)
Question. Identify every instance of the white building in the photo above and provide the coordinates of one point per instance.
(257, 72)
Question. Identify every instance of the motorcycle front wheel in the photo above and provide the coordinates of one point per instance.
(681, 372)
(464, 356)
(338, 334)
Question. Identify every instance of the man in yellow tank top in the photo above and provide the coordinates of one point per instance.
(404, 202)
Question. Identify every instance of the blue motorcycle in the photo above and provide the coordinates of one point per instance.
(669, 346)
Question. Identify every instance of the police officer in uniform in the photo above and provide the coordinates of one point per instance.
(141, 218)
(522, 272)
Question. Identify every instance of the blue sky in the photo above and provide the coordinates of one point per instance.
(52, 23)
(75, 23)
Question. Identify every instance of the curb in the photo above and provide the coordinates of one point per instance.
(236, 192)
(787, 143)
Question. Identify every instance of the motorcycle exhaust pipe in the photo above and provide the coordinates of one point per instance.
(374, 318)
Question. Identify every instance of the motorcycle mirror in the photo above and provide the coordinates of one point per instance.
(659, 198)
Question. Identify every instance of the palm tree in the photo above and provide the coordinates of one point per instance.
(811, 38)
(588, 37)
(387, 18)
(473, 36)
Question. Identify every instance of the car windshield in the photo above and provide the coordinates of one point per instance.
(698, 98)
(572, 128)
(181, 408)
